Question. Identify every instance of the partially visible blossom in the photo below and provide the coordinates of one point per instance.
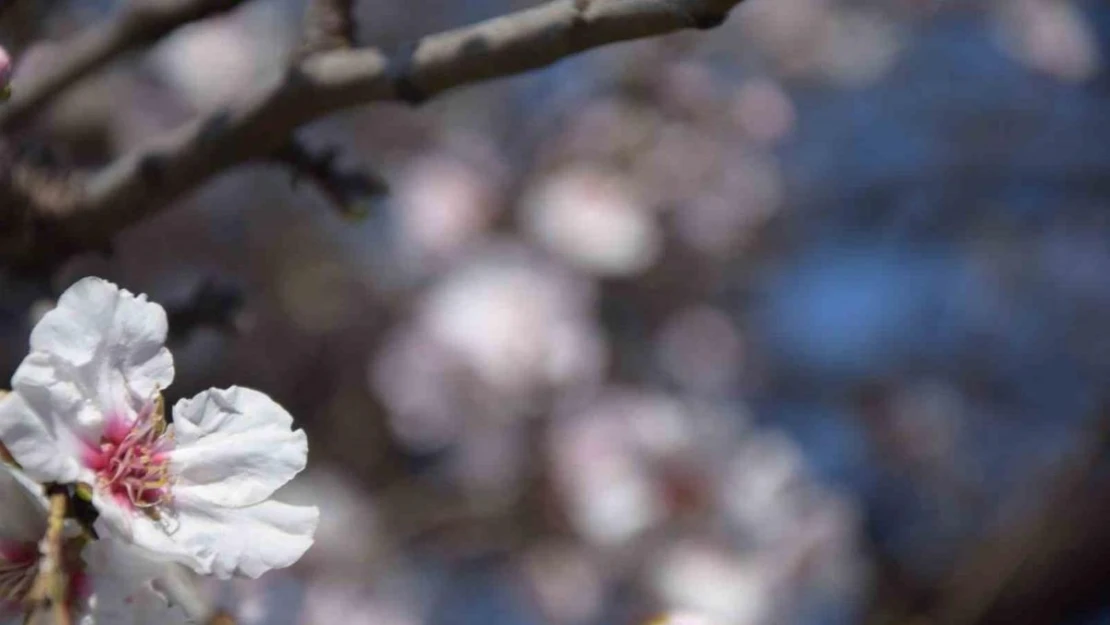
(716, 583)
(1050, 37)
(86, 408)
(857, 47)
(22, 525)
(126, 588)
(443, 203)
(5, 74)
(145, 606)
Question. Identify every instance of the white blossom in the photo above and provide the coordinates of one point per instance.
(127, 588)
(22, 524)
(86, 409)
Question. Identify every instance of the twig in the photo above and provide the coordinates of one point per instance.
(50, 590)
(142, 22)
(213, 304)
(350, 191)
(21, 22)
(143, 183)
(329, 25)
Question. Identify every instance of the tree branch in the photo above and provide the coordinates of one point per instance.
(49, 593)
(329, 25)
(144, 182)
(140, 23)
(350, 191)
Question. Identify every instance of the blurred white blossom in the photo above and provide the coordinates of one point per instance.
(210, 63)
(1051, 36)
(443, 203)
(594, 219)
(496, 334)
(708, 580)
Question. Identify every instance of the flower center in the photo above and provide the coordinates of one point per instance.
(19, 564)
(131, 462)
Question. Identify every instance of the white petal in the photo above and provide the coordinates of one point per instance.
(97, 353)
(243, 541)
(180, 586)
(113, 603)
(22, 507)
(144, 606)
(43, 448)
(97, 325)
(117, 566)
(130, 587)
(234, 447)
(153, 539)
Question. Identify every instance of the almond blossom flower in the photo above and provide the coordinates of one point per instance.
(86, 409)
(22, 524)
(112, 586)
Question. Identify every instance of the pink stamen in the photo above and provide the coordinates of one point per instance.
(130, 460)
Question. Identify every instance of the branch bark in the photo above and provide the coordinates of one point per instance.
(49, 593)
(329, 25)
(144, 182)
(140, 23)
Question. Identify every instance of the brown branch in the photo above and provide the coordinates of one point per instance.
(213, 304)
(49, 594)
(1032, 570)
(21, 22)
(350, 191)
(329, 25)
(142, 22)
(144, 182)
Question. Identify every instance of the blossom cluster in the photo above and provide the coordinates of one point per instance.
(151, 498)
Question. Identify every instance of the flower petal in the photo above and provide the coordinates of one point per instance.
(122, 590)
(154, 539)
(97, 326)
(23, 512)
(234, 447)
(233, 541)
(144, 606)
(34, 423)
(98, 353)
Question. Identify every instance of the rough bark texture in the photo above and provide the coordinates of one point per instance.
(57, 216)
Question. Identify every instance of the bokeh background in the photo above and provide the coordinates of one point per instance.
(802, 320)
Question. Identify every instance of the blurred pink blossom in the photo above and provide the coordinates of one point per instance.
(1049, 36)
(594, 219)
(496, 333)
(565, 581)
(701, 349)
(6, 69)
(443, 202)
(763, 110)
